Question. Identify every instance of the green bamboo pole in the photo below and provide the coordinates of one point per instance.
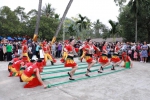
(60, 83)
(66, 75)
(63, 70)
(60, 66)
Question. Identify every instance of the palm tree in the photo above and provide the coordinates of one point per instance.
(62, 20)
(37, 21)
(19, 11)
(97, 26)
(113, 30)
(82, 23)
(135, 6)
(32, 13)
(48, 10)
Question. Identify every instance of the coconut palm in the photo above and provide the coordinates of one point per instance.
(48, 10)
(113, 29)
(37, 21)
(135, 6)
(19, 11)
(82, 23)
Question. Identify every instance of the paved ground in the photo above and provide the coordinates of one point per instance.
(131, 84)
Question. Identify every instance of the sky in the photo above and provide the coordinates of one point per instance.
(93, 9)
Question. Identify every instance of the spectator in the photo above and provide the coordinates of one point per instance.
(1, 52)
(9, 50)
(144, 52)
(4, 52)
(53, 49)
(59, 49)
(37, 50)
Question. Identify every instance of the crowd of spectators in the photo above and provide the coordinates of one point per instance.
(137, 51)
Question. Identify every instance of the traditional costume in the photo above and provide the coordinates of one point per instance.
(47, 54)
(115, 57)
(89, 52)
(30, 75)
(104, 57)
(25, 49)
(69, 60)
(65, 54)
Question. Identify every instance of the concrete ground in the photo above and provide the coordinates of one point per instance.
(130, 84)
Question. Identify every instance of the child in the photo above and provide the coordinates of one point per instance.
(135, 55)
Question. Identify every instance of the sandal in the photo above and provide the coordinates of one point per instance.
(87, 75)
(71, 79)
(99, 71)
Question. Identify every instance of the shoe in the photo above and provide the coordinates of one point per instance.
(89, 70)
(102, 68)
(99, 71)
(52, 63)
(113, 68)
(71, 79)
(87, 75)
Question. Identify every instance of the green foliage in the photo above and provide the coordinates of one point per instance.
(127, 23)
(18, 23)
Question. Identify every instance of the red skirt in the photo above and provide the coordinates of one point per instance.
(33, 83)
(70, 62)
(88, 58)
(115, 59)
(103, 59)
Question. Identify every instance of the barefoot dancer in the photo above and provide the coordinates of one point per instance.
(88, 56)
(69, 62)
(103, 60)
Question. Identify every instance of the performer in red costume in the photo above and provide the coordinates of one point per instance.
(11, 63)
(46, 50)
(69, 62)
(89, 48)
(103, 60)
(83, 51)
(127, 60)
(31, 75)
(15, 70)
(115, 57)
(25, 49)
(65, 54)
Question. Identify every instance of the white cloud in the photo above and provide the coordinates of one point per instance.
(93, 9)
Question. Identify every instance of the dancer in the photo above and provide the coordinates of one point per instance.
(69, 62)
(46, 51)
(31, 75)
(12, 61)
(65, 54)
(115, 57)
(83, 51)
(88, 56)
(25, 49)
(15, 69)
(103, 60)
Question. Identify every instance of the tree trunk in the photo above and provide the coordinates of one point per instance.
(62, 20)
(136, 28)
(37, 21)
(148, 37)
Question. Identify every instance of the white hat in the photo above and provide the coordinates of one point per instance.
(34, 57)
